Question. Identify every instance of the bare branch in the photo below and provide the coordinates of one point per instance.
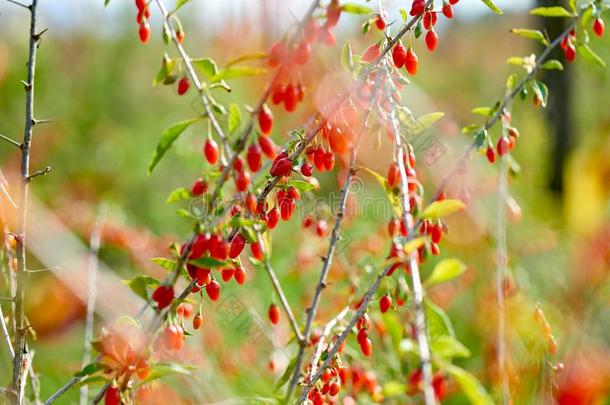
(19, 4)
(9, 140)
(278, 289)
(20, 358)
(42, 172)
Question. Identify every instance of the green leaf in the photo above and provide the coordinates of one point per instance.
(234, 117)
(287, 373)
(590, 55)
(89, 369)
(515, 60)
(438, 322)
(441, 209)
(541, 91)
(208, 262)
(106, 2)
(393, 389)
(428, 120)
(206, 66)
(180, 3)
(531, 34)
(414, 244)
(167, 139)
(469, 385)
(347, 57)
(448, 347)
(159, 370)
(484, 111)
(510, 82)
(236, 72)
(140, 284)
(302, 186)
(386, 187)
(165, 263)
(445, 270)
(243, 58)
(480, 138)
(164, 75)
(492, 6)
(179, 194)
(552, 64)
(404, 15)
(556, 11)
(356, 9)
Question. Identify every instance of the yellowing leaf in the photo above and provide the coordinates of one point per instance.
(441, 209)
(445, 270)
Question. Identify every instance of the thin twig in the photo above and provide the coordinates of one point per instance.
(37, 173)
(19, 4)
(321, 285)
(278, 289)
(205, 102)
(21, 333)
(92, 265)
(325, 333)
(5, 334)
(9, 140)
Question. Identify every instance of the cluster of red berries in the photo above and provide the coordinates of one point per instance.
(142, 20)
(319, 226)
(567, 44)
(286, 200)
(363, 326)
(405, 57)
(505, 144)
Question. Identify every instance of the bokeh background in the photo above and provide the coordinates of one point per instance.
(94, 79)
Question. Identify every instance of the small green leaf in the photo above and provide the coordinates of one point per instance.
(470, 128)
(438, 322)
(180, 3)
(140, 284)
(515, 60)
(590, 55)
(531, 34)
(167, 264)
(106, 2)
(164, 75)
(470, 386)
(556, 11)
(492, 6)
(480, 138)
(445, 270)
(89, 369)
(207, 66)
(448, 347)
(510, 82)
(287, 373)
(404, 15)
(207, 262)
(393, 389)
(414, 244)
(159, 370)
(541, 91)
(356, 9)
(237, 72)
(234, 117)
(243, 58)
(428, 120)
(347, 57)
(302, 186)
(179, 194)
(552, 64)
(484, 111)
(441, 209)
(386, 187)
(167, 139)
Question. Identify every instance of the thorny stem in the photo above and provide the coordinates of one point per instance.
(334, 239)
(278, 289)
(325, 333)
(20, 358)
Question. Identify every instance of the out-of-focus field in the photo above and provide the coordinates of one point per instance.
(109, 119)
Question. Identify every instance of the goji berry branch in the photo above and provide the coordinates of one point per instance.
(418, 290)
(321, 285)
(20, 358)
(195, 78)
(278, 289)
(322, 340)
